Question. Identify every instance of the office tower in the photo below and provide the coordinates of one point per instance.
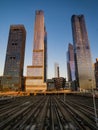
(56, 70)
(96, 72)
(83, 61)
(37, 72)
(14, 62)
(70, 63)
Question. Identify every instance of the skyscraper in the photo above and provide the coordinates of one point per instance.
(37, 73)
(14, 62)
(56, 70)
(83, 60)
(70, 63)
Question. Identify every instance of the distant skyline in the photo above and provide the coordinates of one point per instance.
(57, 15)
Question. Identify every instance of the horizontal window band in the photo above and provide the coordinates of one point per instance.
(34, 77)
(38, 50)
(34, 66)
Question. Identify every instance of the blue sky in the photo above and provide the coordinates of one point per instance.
(57, 15)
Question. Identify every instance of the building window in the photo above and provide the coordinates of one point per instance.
(78, 47)
(87, 47)
(12, 57)
(14, 44)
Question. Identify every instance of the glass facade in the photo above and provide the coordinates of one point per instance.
(14, 62)
(71, 63)
(83, 60)
(96, 72)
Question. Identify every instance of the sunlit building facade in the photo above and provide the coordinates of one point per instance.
(83, 61)
(14, 62)
(37, 72)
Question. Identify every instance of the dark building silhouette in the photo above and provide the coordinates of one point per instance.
(96, 72)
(37, 72)
(0, 83)
(83, 61)
(14, 62)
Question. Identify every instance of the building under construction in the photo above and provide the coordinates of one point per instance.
(59, 82)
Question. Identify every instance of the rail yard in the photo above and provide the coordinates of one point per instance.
(48, 112)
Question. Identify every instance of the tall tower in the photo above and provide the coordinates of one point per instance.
(56, 70)
(14, 62)
(70, 63)
(37, 73)
(83, 60)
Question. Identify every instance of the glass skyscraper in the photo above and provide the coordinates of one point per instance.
(70, 63)
(83, 60)
(14, 62)
(37, 73)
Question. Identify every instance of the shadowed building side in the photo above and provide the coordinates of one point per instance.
(0, 83)
(14, 62)
(70, 63)
(96, 72)
(71, 67)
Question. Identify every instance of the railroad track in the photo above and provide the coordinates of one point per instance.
(45, 113)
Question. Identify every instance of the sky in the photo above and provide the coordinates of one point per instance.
(57, 14)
